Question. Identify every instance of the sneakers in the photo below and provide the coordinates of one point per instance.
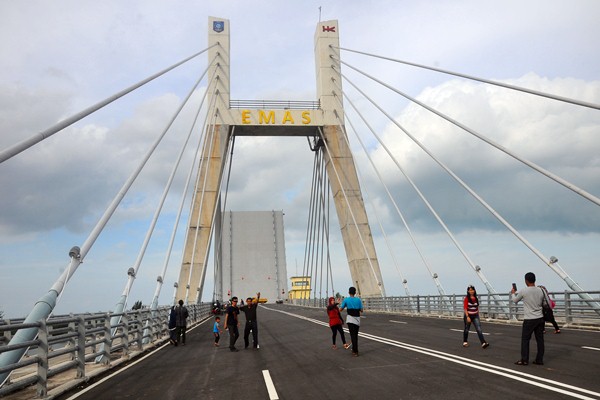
(346, 346)
(465, 344)
(485, 345)
(557, 331)
(216, 344)
(334, 347)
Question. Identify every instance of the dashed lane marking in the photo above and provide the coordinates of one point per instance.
(270, 385)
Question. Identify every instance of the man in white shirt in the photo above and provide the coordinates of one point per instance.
(533, 319)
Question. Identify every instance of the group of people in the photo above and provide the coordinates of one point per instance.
(232, 323)
(354, 308)
(537, 306)
(178, 323)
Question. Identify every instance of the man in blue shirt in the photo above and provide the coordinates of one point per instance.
(354, 307)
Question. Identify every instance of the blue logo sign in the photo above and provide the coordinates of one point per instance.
(218, 26)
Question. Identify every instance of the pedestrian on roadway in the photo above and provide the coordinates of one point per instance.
(181, 314)
(471, 316)
(251, 323)
(548, 312)
(231, 323)
(217, 330)
(172, 326)
(533, 319)
(336, 322)
(354, 307)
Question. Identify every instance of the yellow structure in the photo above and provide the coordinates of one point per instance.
(300, 288)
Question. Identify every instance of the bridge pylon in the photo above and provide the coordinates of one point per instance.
(323, 118)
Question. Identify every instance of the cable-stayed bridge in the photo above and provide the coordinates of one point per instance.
(342, 112)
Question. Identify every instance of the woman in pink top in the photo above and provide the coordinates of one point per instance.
(471, 315)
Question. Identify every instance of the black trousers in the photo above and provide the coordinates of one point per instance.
(535, 327)
(180, 334)
(251, 326)
(334, 330)
(234, 334)
(354, 336)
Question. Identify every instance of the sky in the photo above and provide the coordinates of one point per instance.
(60, 57)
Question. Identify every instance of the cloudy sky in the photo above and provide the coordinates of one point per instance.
(60, 57)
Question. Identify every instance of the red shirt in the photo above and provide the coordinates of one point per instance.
(472, 308)
(335, 317)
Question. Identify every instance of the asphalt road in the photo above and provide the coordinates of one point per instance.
(400, 358)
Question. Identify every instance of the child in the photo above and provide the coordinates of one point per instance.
(216, 330)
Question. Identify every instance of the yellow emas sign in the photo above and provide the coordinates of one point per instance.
(276, 117)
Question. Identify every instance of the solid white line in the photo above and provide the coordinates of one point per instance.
(270, 386)
(505, 372)
(87, 389)
(590, 348)
(460, 330)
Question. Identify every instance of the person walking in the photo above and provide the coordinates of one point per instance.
(181, 314)
(172, 326)
(217, 330)
(548, 312)
(533, 319)
(251, 323)
(471, 316)
(231, 323)
(336, 322)
(354, 307)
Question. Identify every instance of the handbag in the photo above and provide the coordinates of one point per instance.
(546, 309)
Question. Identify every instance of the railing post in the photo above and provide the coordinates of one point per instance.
(138, 329)
(80, 347)
(106, 348)
(42, 366)
(568, 310)
(418, 304)
(125, 332)
(72, 342)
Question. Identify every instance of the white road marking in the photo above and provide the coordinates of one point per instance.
(398, 322)
(590, 348)
(270, 386)
(167, 344)
(460, 330)
(529, 379)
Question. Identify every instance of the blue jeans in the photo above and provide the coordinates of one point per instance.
(475, 321)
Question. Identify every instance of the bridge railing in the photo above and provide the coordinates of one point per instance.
(75, 342)
(276, 104)
(570, 308)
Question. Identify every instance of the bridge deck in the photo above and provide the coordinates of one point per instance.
(402, 357)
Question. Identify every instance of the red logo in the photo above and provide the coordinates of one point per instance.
(328, 28)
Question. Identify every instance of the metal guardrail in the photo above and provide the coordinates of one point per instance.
(570, 309)
(276, 104)
(69, 342)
